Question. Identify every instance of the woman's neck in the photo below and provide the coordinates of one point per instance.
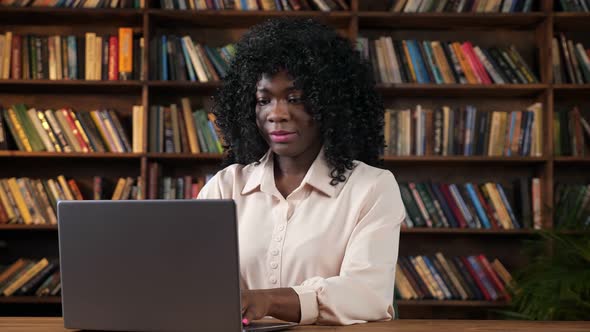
(293, 166)
(290, 171)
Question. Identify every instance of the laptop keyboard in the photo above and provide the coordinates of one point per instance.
(267, 326)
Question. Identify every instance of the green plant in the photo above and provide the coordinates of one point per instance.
(556, 284)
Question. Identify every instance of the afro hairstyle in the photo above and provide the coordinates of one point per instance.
(338, 91)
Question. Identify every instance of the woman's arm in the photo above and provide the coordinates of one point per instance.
(363, 290)
(281, 303)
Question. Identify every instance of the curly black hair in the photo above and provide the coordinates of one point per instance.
(337, 84)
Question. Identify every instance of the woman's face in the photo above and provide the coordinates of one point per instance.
(281, 117)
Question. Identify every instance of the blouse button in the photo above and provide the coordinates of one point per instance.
(273, 279)
(275, 252)
(282, 228)
(274, 265)
(278, 238)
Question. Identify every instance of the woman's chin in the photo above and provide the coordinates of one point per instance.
(285, 149)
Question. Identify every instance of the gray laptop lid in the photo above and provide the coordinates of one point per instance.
(149, 265)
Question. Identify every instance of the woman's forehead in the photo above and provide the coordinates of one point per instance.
(282, 79)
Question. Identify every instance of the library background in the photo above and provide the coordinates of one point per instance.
(486, 129)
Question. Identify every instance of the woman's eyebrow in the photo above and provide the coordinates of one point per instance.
(288, 89)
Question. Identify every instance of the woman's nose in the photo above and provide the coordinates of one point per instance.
(279, 111)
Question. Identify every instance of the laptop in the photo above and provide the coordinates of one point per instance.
(151, 265)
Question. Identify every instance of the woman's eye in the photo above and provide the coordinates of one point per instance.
(262, 102)
(295, 100)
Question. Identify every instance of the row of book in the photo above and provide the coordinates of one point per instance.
(405, 6)
(111, 57)
(569, 128)
(30, 277)
(180, 58)
(173, 187)
(574, 5)
(435, 205)
(439, 62)
(184, 130)
(477, 206)
(463, 131)
(34, 201)
(66, 130)
(88, 57)
(458, 278)
(127, 188)
(461, 6)
(570, 62)
(444, 131)
(75, 3)
(122, 188)
(266, 5)
(572, 206)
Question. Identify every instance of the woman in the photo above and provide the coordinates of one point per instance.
(318, 226)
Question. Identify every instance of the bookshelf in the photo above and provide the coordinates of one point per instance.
(531, 32)
(31, 300)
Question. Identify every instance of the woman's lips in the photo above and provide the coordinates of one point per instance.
(281, 136)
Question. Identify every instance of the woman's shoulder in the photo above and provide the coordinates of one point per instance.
(371, 174)
(227, 181)
(376, 186)
(371, 181)
(230, 171)
(234, 174)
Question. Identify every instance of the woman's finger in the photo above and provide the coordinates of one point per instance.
(248, 316)
(244, 302)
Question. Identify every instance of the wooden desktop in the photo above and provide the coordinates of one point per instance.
(55, 324)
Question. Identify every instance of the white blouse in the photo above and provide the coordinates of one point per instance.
(336, 246)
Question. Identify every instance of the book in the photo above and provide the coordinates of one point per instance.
(64, 57)
(468, 134)
(66, 130)
(441, 278)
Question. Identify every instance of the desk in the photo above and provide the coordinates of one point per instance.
(54, 324)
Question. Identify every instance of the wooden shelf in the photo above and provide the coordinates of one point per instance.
(21, 227)
(405, 89)
(70, 16)
(68, 86)
(571, 21)
(227, 19)
(185, 156)
(565, 87)
(467, 231)
(450, 303)
(216, 156)
(450, 21)
(493, 90)
(464, 159)
(73, 155)
(181, 87)
(564, 91)
(574, 232)
(572, 160)
(30, 300)
(461, 90)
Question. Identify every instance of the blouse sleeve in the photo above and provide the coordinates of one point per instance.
(221, 185)
(212, 189)
(363, 290)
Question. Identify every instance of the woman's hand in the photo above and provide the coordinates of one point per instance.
(280, 303)
(255, 304)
